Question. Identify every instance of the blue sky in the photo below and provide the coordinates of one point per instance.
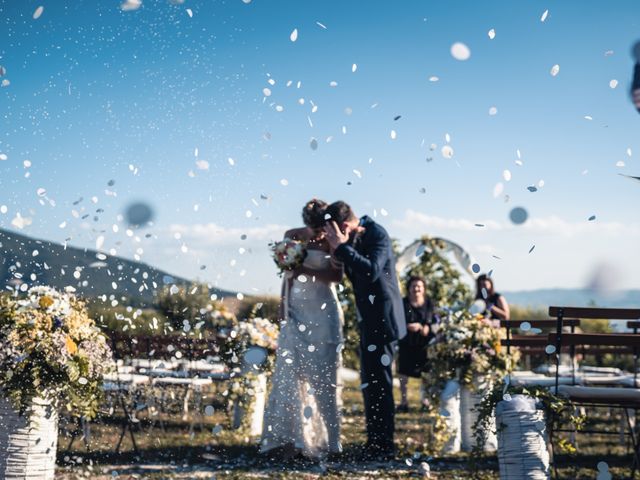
(99, 94)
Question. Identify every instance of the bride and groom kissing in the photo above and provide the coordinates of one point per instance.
(302, 415)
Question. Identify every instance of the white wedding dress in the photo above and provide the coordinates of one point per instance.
(302, 411)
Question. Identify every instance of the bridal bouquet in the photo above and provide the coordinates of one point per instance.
(50, 348)
(466, 348)
(288, 254)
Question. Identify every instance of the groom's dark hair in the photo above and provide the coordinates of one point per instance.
(339, 212)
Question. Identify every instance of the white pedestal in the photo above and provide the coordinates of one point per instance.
(28, 444)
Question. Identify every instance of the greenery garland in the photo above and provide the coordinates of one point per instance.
(556, 408)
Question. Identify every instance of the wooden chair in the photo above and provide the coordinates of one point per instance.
(531, 345)
(610, 397)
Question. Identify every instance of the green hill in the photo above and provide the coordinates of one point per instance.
(25, 260)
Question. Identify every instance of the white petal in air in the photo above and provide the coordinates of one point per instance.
(38, 12)
(130, 5)
(202, 165)
(492, 34)
(555, 70)
(544, 16)
(506, 175)
(447, 151)
(294, 35)
(460, 51)
(613, 83)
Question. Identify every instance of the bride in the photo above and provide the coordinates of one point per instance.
(302, 413)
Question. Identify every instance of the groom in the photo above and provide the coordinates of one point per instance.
(364, 247)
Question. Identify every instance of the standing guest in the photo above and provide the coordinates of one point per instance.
(497, 307)
(418, 310)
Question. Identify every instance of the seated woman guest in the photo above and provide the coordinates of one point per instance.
(497, 307)
(420, 319)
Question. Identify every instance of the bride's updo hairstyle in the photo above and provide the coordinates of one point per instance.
(313, 213)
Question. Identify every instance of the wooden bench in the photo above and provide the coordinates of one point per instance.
(531, 345)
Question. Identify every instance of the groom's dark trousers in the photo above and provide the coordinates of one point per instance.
(378, 396)
(370, 265)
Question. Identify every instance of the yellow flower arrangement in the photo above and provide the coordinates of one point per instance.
(50, 347)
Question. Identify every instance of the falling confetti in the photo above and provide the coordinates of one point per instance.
(532, 248)
(613, 83)
(131, 5)
(460, 51)
(555, 70)
(592, 218)
(475, 268)
(447, 151)
(550, 349)
(313, 144)
(492, 34)
(518, 215)
(354, 67)
(294, 35)
(506, 175)
(38, 12)
(393, 135)
(544, 16)
(385, 360)
(493, 111)
(138, 214)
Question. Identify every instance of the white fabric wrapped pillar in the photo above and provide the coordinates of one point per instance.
(28, 443)
(255, 398)
(469, 401)
(259, 401)
(522, 440)
(450, 410)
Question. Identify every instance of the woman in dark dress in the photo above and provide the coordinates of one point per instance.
(497, 307)
(420, 319)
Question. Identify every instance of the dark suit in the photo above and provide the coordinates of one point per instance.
(371, 266)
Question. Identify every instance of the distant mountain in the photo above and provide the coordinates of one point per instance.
(39, 262)
(569, 297)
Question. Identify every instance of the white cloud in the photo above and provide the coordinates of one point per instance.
(211, 234)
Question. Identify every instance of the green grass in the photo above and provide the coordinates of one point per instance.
(175, 452)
